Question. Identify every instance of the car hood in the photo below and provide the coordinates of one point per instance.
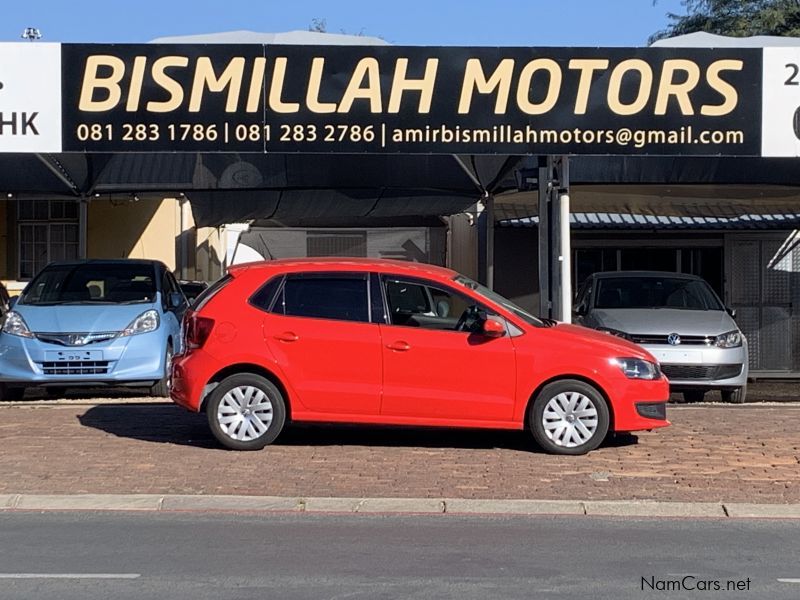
(83, 318)
(616, 347)
(663, 321)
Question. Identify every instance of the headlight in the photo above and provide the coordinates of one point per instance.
(144, 323)
(636, 368)
(732, 339)
(14, 324)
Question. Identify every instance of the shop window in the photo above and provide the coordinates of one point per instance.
(706, 263)
(48, 231)
(649, 259)
(593, 260)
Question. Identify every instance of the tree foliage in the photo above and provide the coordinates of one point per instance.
(738, 18)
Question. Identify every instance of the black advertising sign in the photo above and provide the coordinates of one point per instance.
(453, 100)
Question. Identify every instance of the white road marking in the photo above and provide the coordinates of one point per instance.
(789, 580)
(69, 575)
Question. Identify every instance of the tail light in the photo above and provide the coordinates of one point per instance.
(197, 329)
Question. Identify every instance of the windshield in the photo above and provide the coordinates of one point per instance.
(655, 292)
(500, 300)
(89, 283)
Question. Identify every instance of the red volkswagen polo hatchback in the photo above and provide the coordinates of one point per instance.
(392, 342)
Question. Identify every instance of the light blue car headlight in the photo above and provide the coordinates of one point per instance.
(636, 368)
(14, 324)
(145, 323)
(732, 339)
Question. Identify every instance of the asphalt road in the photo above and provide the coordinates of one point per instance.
(91, 556)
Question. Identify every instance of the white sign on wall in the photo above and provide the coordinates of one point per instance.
(30, 97)
(780, 133)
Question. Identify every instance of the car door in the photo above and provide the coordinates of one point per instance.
(319, 332)
(436, 363)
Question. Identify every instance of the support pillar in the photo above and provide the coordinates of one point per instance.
(486, 241)
(555, 264)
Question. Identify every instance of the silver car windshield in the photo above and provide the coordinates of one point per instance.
(500, 300)
(655, 292)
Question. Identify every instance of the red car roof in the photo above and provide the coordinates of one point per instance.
(402, 267)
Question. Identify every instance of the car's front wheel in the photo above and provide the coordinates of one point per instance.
(246, 412)
(11, 393)
(735, 396)
(163, 387)
(569, 417)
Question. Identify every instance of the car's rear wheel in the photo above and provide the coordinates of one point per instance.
(246, 412)
(735, 396)
(11, 393)
(569, 417)
(163, 387)
(694, 395)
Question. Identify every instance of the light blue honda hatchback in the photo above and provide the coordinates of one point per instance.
(92, 323)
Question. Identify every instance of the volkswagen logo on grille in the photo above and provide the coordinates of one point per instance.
(673, 339)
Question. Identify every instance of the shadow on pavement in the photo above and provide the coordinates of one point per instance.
(163, 423)
(169, 424)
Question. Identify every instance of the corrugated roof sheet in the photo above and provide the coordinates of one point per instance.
(637, 221)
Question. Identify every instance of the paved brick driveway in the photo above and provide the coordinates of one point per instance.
(711, 453)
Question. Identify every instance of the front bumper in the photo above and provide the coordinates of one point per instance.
(701, 366)
(29, 361)
(638, 404)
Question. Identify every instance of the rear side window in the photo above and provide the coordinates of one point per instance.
(265, 295)
(342, 298)
(211, 291)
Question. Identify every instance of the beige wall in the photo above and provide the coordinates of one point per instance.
(133, 229)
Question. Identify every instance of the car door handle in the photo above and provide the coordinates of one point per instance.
(287, 336)
(399, 346)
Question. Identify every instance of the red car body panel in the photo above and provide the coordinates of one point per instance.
(341, 371)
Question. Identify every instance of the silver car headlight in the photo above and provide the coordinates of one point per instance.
(14, 324)
(636, 368)
(732, 339)
(145, 323)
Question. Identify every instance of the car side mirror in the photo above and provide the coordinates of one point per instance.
(175, 300)
(493, 327)
(731, 311)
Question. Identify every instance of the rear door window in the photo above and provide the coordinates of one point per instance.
(325, 296)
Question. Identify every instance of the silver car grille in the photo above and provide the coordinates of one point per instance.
(686, 340)
(75, 339)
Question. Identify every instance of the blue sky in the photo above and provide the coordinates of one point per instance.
(405, 22)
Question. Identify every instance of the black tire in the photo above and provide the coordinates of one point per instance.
(536, 418)
(55, 392)
(11, 393)
(694, 395)
(216, 400)
(164, 385)
(735, 396)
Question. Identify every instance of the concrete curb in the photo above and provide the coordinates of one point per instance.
(441, 506)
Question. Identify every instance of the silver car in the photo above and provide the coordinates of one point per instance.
(679, 319)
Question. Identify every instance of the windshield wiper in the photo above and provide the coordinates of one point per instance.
(549, 322)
